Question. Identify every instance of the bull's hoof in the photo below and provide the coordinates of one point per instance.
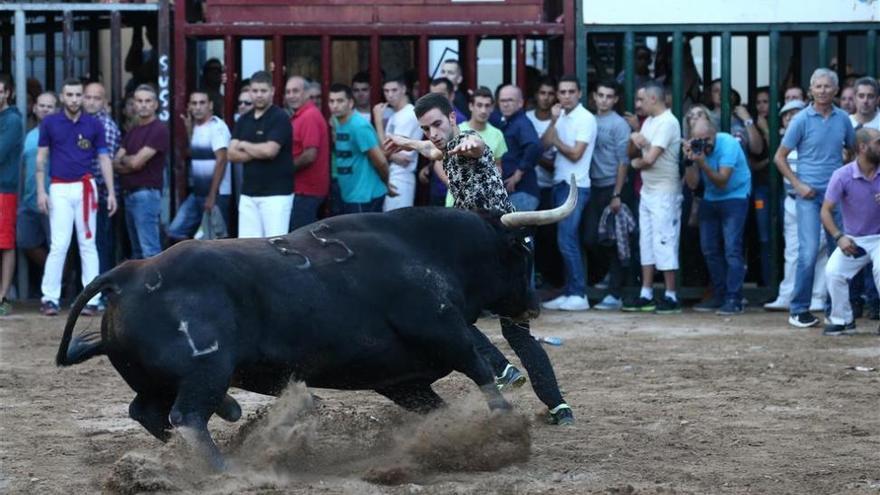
(229, 409)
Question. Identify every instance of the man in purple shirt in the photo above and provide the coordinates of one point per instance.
(71, 140)
(140, 163)
(856, 187)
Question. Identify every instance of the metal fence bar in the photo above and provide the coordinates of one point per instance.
(871, 48)
(775, 183)
(677, 73)
(725, 81)
(629, 66)
(823, 48)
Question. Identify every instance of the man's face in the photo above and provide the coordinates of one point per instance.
(72, 97)
(545, 97)
(643, 61)
(451, 71)
(44, 106)
(245, 101)
(509, 101)
(394, 93)
(707, 135)
(872, 151)
(605, 99)
(848, 100)
(641, 111)
(569, 95)
(340, 105)
(314, 94)
(716, 95)
(200, 106)
(4, 95)
(823, 90)
(361, 92)
(145, 104)
(866, 100)
(480, 108)
(94, 98)
(787, 116)
(762, 104)
(440, 89)
(262, 95)
(437, 127)
(213, 74)
(295, 93)
(794, 94)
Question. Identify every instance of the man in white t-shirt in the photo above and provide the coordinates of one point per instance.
(209, 176)
(658, 147)
(402, 123)
(867, 91)
(572, 131)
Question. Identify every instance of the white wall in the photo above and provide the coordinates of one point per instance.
(729, 12)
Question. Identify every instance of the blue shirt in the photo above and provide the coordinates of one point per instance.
(10, 149)
(819, 142)
(729, 154)
(112, 136)
(523, 150)
(29, 195)
(358, 180)
(73, 146)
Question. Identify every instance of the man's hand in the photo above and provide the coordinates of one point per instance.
(43, 202)
(511, 182)
(394, 143)
(425, 174)
(210, 200)
(187, 122)
(805, 191)
(556, 111)
(632, 120)
(847, 245)
(392, 191)
(742, 113)
(469, 146)
(615, 204)
(111, 205)
(379, 111)
(639, 140)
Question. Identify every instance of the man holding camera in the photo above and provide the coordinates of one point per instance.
(856, 187)
(718, 160)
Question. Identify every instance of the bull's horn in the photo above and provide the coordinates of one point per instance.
(543, 217)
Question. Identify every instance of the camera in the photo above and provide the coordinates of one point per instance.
(698, 146)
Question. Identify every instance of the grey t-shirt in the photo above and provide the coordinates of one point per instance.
(610, 151)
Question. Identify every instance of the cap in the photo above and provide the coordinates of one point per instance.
(792, 105)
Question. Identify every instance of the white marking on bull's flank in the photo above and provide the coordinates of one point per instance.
(184, 329)
(154, 287)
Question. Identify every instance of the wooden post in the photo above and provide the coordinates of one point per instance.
(375, 70)
(326, 71)
(422, 64)
(521, 80)
(279, 78)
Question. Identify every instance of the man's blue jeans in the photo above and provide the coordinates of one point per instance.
(305, 210)
(809, 229)
(142, 210)
(104, 238)
(761, 201)
(189, 216)
(569, 239)
(722, 224)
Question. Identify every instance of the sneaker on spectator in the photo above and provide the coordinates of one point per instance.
(575, 303)
(555, 303)
(708, 306)
(90, 310)
(803, 320)
(610, 303)
(561, 415)
(872, 312)
(48, 308)
(730, 308)
(5, 307)
(668, 306)
(603, 284)
(832, 330)
(511, 378)
(778, 305)
(642, 304)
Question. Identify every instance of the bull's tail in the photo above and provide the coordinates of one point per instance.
(73, 350)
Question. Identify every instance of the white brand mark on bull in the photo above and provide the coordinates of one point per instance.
(184, 329)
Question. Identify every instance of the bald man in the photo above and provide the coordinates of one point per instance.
(523, 150)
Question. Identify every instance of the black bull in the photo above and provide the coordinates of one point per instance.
(370, 301)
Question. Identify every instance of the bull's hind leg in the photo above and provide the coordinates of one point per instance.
(152, 412)
(417, 397)
(198, 397)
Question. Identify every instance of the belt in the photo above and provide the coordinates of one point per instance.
(138, 189)
(90, 201)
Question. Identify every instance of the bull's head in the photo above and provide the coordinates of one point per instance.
(522, 302)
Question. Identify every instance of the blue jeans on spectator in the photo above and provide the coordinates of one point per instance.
(104, 238)
(142, 210)
(305, 210)
(569, 239)
(523, 201)
(761, 200)
(722, 224)
(809, 229)
(189, 216)
(374, 206)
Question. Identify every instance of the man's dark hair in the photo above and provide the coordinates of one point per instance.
(200, 91)
(261, 77)
(609, 84)
(546, 81)
(342, 88)
(212, 61)
(762, 89)
(454, 61)
(361, 77)
(71, 81)
(399, 79)
(570, 78)
(657, 89)
(6, 81)
(484, 92)
(445, 82)
(431, 101)
(868, 81)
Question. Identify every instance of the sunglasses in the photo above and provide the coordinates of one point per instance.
(242, 102)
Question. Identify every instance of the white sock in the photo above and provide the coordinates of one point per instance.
(671, 295)
(647, 293)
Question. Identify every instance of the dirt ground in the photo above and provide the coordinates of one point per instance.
(664, 404)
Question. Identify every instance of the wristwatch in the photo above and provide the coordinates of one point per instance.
(838, 235)
(749, 122)
(615, 195)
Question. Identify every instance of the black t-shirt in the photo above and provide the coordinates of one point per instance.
(267, 177)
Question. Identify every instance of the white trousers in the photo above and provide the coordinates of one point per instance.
(660, 229)
(789, 232)
(842, 268)
(404, 180)
(264, 216)
(65, 211)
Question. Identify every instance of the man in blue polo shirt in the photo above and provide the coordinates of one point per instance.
(70, 140)
(523, 150)
(725, 173)
(820, 134)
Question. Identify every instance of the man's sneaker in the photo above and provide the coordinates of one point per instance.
(858, 308)
(832, 330)
(803, 320)
(555, 303)
(872, 312)
(777, 305)
(561, 415)
(511, 378)
(642, 304)
(668, 306)
(708, 306)
(575, 303)
(610, 303)
(603, 284)
(90, 310)
(48, 308)
(5, 307)
(730, 308)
